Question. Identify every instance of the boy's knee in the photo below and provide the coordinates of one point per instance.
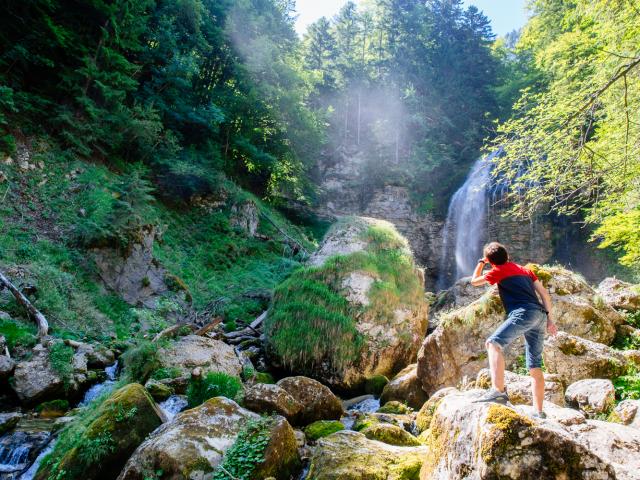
(491, 344)
(536, 373)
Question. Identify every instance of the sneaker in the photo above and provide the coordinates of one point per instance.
(539, 415)
(494, 396)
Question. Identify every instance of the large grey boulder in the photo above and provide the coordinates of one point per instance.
(405, 387)
(620, 295)
(209, 355)
(348, 455)
(519, 387)
(487, 441)
(267, 398)
(194, 443)
(592, 396)
(573, 358)
(317, 401)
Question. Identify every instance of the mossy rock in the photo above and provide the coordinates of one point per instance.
(510, 425)
(53, 409)
(365, 421)
(375, 384)
(99, 448)
(322, 428)
(391, 435)
(264, 377)
(396, 407)
(159, 391)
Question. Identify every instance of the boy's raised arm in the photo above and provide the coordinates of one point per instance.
(477, 280)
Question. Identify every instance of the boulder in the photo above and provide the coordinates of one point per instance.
(461, 294)
(486, 441)
(209, 355)
(627, 412)
(321, 429)
(425, 414)
(573, 358)
(317, 401)
(8, 421)
(349, 455)
(405, 387)
(120, 424)
(97, 356)
(158, 390)
(455, 349)
(267, 398)
(391, 435)
(195, 442)
(519, 387)
(619, 295)
(245, 217)
(366, 420)
(350, 316)
(7, 366)
(592, 396)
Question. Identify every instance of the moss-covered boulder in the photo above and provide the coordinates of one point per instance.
(348, 455)
(52, 409)
(322, 428)
(267, 398)
(98, 445)
(405, 387)
(158, 390)
(395, 407)
(318, 401)
(197, 441)
(390, 434)
(479, 440)
(356, 311)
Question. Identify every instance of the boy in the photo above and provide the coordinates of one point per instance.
(526, 315)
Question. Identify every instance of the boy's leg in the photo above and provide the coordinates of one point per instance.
(496, 365)
(534, 343)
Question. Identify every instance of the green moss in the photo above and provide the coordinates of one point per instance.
(61, 360)
(507, 426)
(322, 428)
(53, 408)
(395, 407)
(213, 384)
(264, 377)
(375, 384)
(391, 435)
(310, 320)
(425, 415)
(166, 372)
(18, 333)
(364, 421)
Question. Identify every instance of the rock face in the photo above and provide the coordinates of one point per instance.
(592, 396)
(519, 387)
(350, 318)
(246, 217)
(194, 443)
(493, 441)
(120, 425)
(620, 295)
(405, 387)
(574, 358)
(317, 401)
(206, 353)
(133, 274)
(349, 455)
(267, 398)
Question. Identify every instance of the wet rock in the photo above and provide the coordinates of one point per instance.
(394, 407)
(627, 412)
(405, 387)
(476, 440)
(318, 402)
(120, 425)
(573, 358)
(194, 443)
(391, 435)
(193, 351)
(158, 390)
(348, 455)
(8, 421)
(592, 396)
(267, 398)
(620, 295)
(376, 336)
(519, 387)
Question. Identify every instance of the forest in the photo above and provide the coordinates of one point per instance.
(205, 216)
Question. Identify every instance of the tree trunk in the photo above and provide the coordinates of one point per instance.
(34, 313)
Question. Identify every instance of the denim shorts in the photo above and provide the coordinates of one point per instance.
(532, 323)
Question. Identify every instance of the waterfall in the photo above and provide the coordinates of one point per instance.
(173, 405)
(99, 388)
(465, 227)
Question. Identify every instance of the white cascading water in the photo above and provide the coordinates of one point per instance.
(465, 228)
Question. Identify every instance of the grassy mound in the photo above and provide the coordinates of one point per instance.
(311, 321)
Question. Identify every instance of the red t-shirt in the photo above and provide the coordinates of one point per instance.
(515, 285)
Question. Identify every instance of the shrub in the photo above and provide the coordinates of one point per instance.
(162, 373)
(61, 359)
(628, 386)
(213, 384)
(141, 361)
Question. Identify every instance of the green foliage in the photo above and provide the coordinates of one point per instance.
(311, 321)
(570, 142)
(61, 360)
(628, 386)
(247, 451)
(322, 428)
(163, 372)
(633, 319)
(265, 377)
(141, 361)
(53, 405)
(18, 333)
(213, 384)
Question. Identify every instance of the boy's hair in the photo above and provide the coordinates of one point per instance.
(496, 253)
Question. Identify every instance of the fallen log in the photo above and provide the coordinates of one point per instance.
(34, 313)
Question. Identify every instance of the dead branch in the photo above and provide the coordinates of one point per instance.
(34, 313)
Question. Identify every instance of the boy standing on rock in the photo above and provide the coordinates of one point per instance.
(528, 306)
